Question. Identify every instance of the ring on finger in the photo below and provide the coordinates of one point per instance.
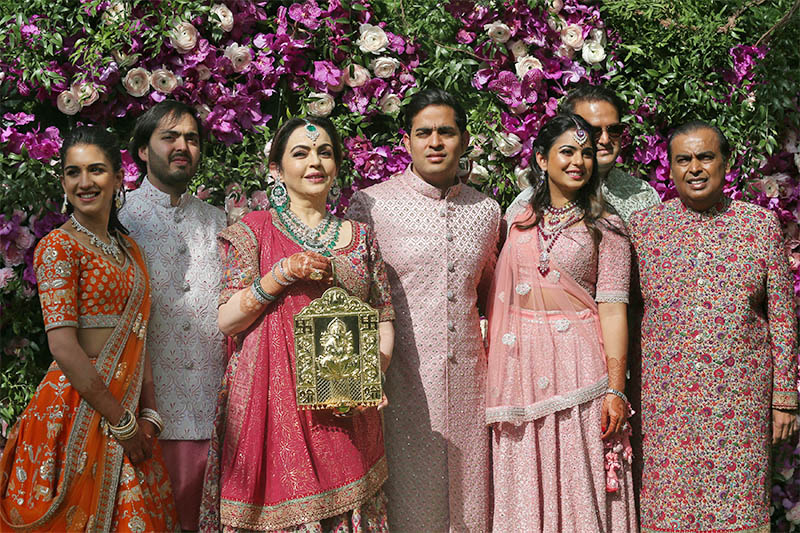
(316, 275)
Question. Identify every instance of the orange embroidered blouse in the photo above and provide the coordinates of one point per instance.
(78, 286)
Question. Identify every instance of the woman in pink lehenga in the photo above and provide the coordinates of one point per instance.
(557, 348)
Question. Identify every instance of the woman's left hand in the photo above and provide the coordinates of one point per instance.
(613, 415)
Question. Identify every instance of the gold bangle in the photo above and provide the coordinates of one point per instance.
(152, 416)
(126, 428)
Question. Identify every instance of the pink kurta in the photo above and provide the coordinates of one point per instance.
(440, 255)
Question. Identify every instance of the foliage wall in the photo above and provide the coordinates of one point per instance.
(248, 65)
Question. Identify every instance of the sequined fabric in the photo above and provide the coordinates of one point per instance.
(719, 350)
(273, 466)
(79, 286)
(440, 253)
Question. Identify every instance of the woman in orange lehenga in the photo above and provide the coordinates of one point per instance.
(78, 458)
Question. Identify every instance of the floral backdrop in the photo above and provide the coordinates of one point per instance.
(248, 65)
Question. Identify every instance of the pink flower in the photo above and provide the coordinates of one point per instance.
(183, 37)
(137, 82)
(68, 103)
(164, 81)
(6, 273)
(240, 56)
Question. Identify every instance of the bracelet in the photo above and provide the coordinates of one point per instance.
(276, 278)
(152, 416)
(619, 394)
(126, 428)
(285, 274)
(261, 296)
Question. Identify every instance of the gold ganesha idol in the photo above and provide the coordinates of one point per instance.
(336, 353)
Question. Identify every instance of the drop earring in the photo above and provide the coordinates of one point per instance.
(64, 205)
(279, 196)
(334, 194)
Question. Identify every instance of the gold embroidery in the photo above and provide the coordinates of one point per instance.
(76, 518)
(15, 517)
(41, 492)
(136, 524)
(130, 495)
(53, 428)
(48, 469)
(121, 368)
(84, 457)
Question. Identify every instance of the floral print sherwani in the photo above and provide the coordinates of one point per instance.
(719, 351)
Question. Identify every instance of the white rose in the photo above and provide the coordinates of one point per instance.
(359, 77)
(390, 104)
(86, 92)
(797, 160)
(384, 67)
(479, 174)
(593, 52)
(372, 40)
(164, 81)
(508, 144)
(203, 72)
(518, 49)
(115, 13)
(523, 182)
(554, 6)
(68, 103)
(239, 56)
(183, 37)
(557, 23)
(498, 32)
(572, 36)
(598, 35)
(124, 60)
(267, 148)
(224, 15)
(202, 111)
(322, 106)
(137, 82)
(527, 63)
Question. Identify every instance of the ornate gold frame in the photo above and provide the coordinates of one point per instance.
(337, 356)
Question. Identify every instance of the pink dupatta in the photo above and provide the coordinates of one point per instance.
(272, 466)
(545, 346)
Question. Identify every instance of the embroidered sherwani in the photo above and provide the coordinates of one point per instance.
(440, 253)
(186, 347)
(719, 351)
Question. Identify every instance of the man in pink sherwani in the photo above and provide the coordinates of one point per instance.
(439, 241)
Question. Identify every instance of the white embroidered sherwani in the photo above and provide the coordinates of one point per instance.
(184, 342)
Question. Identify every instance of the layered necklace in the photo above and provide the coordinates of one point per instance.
(111, 248)
(550, 228)
(320, 239)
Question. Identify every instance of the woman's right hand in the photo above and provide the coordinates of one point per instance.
(309, 265)
(137, 448)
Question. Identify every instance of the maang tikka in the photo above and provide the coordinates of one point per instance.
(580, 135)
(312, 132)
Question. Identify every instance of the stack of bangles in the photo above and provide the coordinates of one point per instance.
(126, 428)
(152, 416)
(619, 394)
(262, 296)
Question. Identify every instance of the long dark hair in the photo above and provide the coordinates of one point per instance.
(589, 197)
(108, 143)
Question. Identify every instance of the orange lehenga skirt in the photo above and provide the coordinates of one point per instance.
(60, 471)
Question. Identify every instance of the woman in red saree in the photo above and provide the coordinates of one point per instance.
(271, 466)
(62, 469)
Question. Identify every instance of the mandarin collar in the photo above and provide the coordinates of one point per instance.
(717, 209)
(421, 186)
(158, 197)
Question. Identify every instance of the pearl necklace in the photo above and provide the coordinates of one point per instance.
(112, 248)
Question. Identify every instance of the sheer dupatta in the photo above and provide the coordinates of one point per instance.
(545, 346)
(272, 466)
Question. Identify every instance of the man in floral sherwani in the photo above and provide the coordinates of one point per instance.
(439, 240)
(719, 347)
